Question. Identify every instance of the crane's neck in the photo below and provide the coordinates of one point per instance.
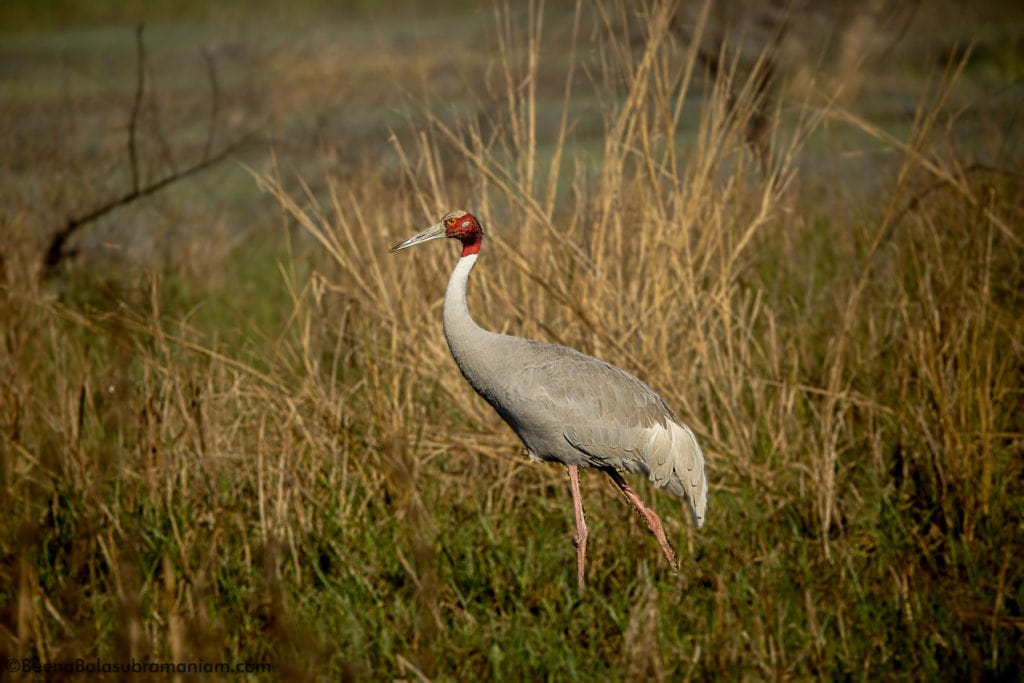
(469, 343)
(457, 321)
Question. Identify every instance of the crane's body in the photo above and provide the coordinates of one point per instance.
(572, 408)
(568, 407)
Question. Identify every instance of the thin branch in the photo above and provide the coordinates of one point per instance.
(211, 75)
(55, 254)
(140, 86)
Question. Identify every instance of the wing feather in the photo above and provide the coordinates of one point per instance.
(616, 420)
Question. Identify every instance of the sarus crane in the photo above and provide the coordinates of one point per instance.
(568, 407)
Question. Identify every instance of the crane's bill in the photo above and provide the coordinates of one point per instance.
(431, 233)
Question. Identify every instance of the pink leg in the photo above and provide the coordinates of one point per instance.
(579, 538)
(649, 515)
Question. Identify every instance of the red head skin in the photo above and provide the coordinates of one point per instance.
(465, 228)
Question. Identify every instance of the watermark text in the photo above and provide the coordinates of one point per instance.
(132, 665)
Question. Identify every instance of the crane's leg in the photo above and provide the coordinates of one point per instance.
(579, 538)
(649, 515)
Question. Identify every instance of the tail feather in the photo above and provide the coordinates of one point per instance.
(677, 466)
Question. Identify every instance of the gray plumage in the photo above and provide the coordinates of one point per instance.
(572, 408)
(568, 407)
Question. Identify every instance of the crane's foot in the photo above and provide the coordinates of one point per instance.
(649, 515)
(580, 533)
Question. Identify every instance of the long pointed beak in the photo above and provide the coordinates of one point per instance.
(431, 233)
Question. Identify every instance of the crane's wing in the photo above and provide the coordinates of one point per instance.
(616, 420)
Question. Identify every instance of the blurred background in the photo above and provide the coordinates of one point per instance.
(324, 86)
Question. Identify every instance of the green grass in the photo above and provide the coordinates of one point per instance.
(230, 430)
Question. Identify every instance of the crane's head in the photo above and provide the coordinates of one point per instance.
(455, 224)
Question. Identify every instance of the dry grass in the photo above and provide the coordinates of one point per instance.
(290, 469)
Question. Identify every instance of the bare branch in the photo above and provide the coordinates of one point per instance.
(55, 253)
(133, 121)
(211, 74)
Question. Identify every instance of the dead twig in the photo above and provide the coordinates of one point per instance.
(211, 75)
(55, 252)
(133, 120)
